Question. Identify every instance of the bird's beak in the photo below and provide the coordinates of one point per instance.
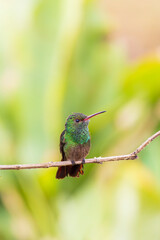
(90, 116)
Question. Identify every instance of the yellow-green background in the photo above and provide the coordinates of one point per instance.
(57, 57)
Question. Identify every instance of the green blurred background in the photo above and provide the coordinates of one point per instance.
(63, 56)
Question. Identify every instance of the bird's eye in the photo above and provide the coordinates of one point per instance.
(77, 120)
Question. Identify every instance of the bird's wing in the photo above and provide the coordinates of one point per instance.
(62, 143)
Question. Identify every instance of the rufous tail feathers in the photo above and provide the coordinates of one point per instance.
(73, 171)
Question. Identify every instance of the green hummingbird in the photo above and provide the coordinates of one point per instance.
(75, 144)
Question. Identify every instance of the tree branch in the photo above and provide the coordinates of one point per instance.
(131, 156)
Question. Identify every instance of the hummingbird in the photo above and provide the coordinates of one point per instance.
(75, 144)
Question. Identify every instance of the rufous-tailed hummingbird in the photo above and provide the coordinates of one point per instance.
(75, 144)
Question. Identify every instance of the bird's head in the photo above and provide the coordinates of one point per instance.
(78, 121)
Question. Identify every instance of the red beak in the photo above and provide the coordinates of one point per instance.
(95, 114)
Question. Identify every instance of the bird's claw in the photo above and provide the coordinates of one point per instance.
(83, 161)
(73, 162)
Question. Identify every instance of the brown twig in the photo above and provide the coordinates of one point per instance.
(131, 156)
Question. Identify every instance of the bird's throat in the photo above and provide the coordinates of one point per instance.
(79, 136)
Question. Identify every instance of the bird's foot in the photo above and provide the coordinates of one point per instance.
(73, 162)
(83, 161)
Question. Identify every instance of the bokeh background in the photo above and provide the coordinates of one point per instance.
(65, 56)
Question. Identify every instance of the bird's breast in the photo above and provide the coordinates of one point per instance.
(77, 151)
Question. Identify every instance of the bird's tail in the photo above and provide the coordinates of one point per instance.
(61, 172)
(72, 171)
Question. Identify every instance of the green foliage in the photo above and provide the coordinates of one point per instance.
(56, 59)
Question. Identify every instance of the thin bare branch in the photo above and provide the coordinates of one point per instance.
(131, 156)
